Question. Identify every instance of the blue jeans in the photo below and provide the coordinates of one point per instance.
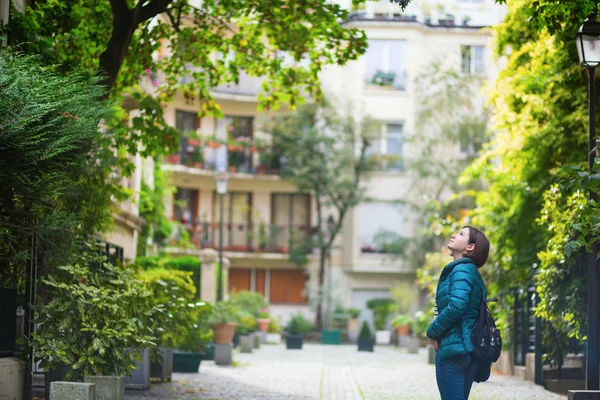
(455, 376)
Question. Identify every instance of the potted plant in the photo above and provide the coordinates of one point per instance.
(403, 324)
(263, 320)
(173, 299)
(191, 349)
(274, 332)
(366, 341)
(382, 78)
(245, 326)
(382, 308)
(223, 320)
(74, 336)
(297, 326)
(353, 324)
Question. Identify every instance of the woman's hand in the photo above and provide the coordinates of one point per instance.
(435, 344)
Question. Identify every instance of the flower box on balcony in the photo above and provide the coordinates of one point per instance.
(193, 142)
(173, 159)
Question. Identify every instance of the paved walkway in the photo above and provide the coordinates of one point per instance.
(328, 373)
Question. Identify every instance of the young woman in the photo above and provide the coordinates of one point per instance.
(459, 292)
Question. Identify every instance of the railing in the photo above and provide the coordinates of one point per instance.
(243, 237)
(244, 161)
(527, 330)
(247, 86)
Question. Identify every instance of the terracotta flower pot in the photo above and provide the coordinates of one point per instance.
(224, 332)
(403, 330)
(263, 324)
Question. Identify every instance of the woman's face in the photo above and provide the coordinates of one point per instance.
(459, 242)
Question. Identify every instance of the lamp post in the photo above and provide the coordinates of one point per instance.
(221, 180)
(588, 46)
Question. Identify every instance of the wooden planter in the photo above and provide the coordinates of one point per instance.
(224, 332)
(263, 324)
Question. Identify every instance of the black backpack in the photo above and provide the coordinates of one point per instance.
(486, 338)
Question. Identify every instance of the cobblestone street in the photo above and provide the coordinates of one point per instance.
(328, 372)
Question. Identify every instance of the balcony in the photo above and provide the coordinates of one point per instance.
(247, 238)
(247, 86)
(243, 158)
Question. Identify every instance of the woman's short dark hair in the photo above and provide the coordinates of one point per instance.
(482, 246)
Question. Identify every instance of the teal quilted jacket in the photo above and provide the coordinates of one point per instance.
(458, 296)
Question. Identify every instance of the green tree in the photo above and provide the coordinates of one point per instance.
(57, 178)
(287, 42)
(325, 153)
(533, 209)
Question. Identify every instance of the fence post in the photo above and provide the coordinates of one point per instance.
(538, 343)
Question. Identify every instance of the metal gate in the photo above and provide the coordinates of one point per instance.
(527, 329)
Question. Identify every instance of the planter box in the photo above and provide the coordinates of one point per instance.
(412, 345)
(12, 378)
(56, 375)
(186, 361)
(274, 338)
(163, 369)
(366, 344)
(246, 344)
(431, 355)
(294, 342)
(209, 352)
(256, 338)
(108, 387)
(333, 336)
(140, 377)
(383, 337)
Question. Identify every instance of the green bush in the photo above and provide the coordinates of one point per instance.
(365, 331)
(199, 334)
(246, 323)
(184, 263)
(94, 314)
(224, 312)
(402, 319)
(252, 302)
(382, 308)
(275, 325)
(354, 312)
(173, 299)
(298, 324)
(421, 323)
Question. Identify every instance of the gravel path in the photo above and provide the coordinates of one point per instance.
(329, 373)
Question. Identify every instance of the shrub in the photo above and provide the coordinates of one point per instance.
(401, 319)
(365, 331)
(173, 297)
(199, 334)
(94, 314)
(382, 308)
(246, 323)
(298, 324)
(224, 312)
(354, 312)
(185, 263)
(252, 302)
(275, 325)
(421, 323)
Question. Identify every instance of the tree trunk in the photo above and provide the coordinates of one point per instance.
(112, 58)
(322, 260)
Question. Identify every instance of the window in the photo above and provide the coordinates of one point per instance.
(471, 1)
(235, 128)
(472, 59)
(236, 219)
(376, 218)
(385, 64)
(186, 123)
(290, 216)
(186, 205)
(387, 150)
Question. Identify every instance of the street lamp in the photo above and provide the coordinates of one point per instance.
(221, 180)
(588, 46)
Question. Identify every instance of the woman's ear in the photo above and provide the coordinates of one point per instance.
(470, 248)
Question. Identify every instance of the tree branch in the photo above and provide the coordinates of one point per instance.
(150, 10)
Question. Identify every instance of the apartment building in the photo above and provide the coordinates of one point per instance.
(401, 45)
(263, 213)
